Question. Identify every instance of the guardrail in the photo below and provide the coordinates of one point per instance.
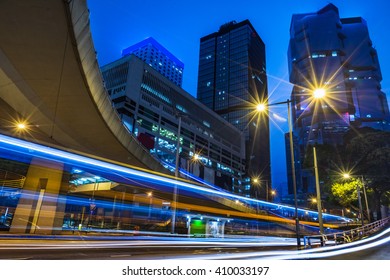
(344, 236)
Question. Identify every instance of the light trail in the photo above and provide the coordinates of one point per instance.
(33, 149)
(144, 244)
(315, 253)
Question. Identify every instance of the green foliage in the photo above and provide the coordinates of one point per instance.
(346, 192)
(366, 152)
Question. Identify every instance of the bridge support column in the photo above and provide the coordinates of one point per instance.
(41, 207)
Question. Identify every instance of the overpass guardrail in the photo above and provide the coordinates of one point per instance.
(346, 236)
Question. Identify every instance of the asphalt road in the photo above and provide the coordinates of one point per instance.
(188, 248)
(46, 249)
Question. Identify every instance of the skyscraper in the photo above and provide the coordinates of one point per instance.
(231, 79)
(158, 57)
(335, 55)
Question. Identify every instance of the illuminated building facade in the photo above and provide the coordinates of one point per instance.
(158, 57)
(150, 106)
(231, 79)
(337, 55)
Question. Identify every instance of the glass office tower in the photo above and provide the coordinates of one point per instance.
(158, 57)
(231, 79)
(337, 55)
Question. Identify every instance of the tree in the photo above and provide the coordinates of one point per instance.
(366, 152)
(346, 192)
(369, 153)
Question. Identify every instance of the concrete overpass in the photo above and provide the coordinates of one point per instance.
(50, 78)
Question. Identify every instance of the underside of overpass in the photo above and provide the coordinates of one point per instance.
(50, 79)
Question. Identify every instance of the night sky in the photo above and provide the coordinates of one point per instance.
(179, 25)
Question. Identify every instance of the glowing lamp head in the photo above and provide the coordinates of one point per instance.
(21, 126)
(346, 176)
(319, 93)
(260, 107)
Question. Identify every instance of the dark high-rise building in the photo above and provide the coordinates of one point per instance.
(231, 79)
(334, 54)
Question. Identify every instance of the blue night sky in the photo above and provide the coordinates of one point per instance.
(179, 25)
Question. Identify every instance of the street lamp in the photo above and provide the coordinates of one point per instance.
(347, 176)
(262, 108)
(319, 205)
(173, 220)
(150, 195)
(21, 126)
(175, 190)
(319, 93)
(257, 182)
(273, 193)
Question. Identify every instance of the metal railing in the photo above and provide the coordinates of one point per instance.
(344, 236)
(11, 179)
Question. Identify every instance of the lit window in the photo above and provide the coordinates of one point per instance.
(334, 53)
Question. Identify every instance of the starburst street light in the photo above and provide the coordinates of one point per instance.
(21, 126)
(256, 181)
(347, 176)
(319, 93)
(260, 107)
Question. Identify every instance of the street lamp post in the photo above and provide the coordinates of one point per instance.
(257, 182)
(360, 205)
(346, 176)
(293, 173)
(319, 206)
(150, 195)
(262, 107)
(365, 198)
(173, 220)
